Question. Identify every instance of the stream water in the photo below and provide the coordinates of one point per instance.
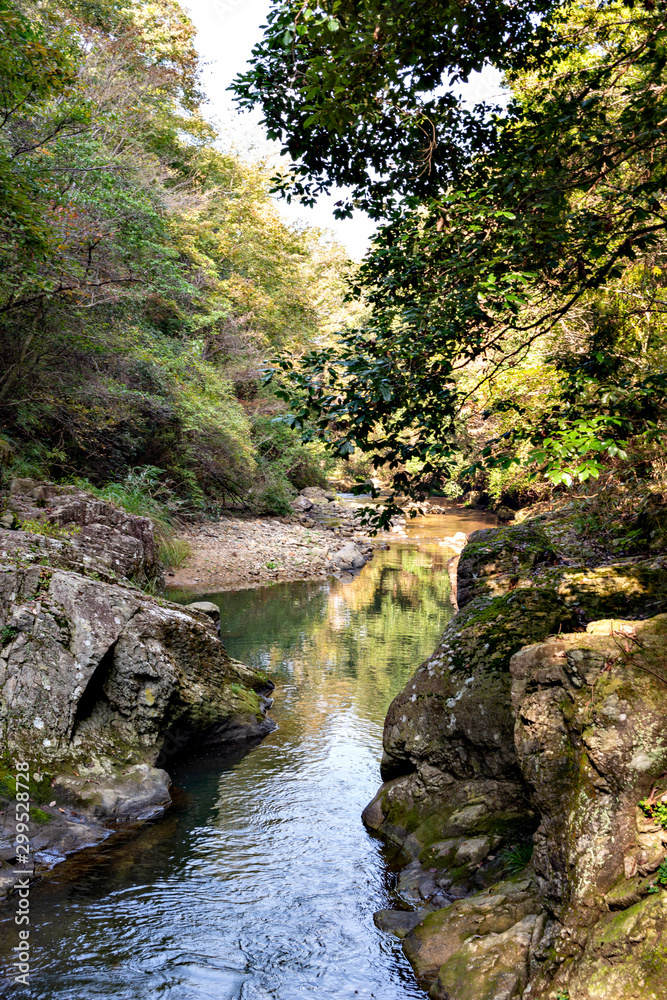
(261, 882)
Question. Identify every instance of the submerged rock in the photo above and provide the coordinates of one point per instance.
(398, 922)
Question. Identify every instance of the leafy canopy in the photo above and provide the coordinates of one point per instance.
(503, 225)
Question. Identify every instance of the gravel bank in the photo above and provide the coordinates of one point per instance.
(235, 553)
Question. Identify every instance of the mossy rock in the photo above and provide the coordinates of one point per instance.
(649, 529)
(590, 736)
(454, 713)
(623, 589)
(488, 967)
(626, 955)
(441, 935)
(496, 559)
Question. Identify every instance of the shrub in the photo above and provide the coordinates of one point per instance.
(274, 497)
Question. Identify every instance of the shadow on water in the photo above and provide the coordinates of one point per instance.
(261, 882)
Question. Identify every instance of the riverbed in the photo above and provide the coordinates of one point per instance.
(261, 882)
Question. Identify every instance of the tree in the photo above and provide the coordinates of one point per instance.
(143, 272)
(518, 219)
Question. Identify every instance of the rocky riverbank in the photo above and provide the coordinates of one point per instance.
(324, 537)
(102, 685)
(524, 771)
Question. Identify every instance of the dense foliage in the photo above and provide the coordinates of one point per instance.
(517, 283)
(144, 273)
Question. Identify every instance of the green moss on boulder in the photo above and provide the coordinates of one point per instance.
(495, 560)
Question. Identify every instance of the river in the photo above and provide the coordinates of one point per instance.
(261, 882)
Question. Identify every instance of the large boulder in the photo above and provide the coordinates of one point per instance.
(497, 560)
(544, 553)
(568, 727)
(98, 684)
(450, 767)
(454, 712)
(489, 966)
(85, 664)
(623, 588)
(460, 946)
(590, 736)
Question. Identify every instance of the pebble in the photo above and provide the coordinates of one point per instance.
(234, 553)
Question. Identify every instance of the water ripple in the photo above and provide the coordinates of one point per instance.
(262, 884)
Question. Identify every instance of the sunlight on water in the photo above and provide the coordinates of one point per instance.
(261, 883)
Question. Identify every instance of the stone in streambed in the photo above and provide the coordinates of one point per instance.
(140, 793)
(348, 557)
(207, 608)
(301, 505)
(398, 922)
(473, 850)
(440, 937)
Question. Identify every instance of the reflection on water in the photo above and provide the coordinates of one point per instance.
(261, 882)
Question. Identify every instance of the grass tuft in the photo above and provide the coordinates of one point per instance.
(514, 859)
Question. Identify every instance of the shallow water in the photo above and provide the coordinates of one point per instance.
(262, 881)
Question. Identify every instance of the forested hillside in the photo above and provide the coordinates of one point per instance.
(517, 339)
(144, 273)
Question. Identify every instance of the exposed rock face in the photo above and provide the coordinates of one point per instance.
(495, 560)
(498, 561)
(626, 588)
(493, 966)
(591, 739)
(92, 664)
(624, 956)
(469, 675)
(100, 682)
(449, 735)
(72, 529)
(571, 725)
(440, 935)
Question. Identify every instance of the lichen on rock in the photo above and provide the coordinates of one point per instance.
(569, 724)
(495, 560)
(449, 756)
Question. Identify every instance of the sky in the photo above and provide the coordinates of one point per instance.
(226, 33)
